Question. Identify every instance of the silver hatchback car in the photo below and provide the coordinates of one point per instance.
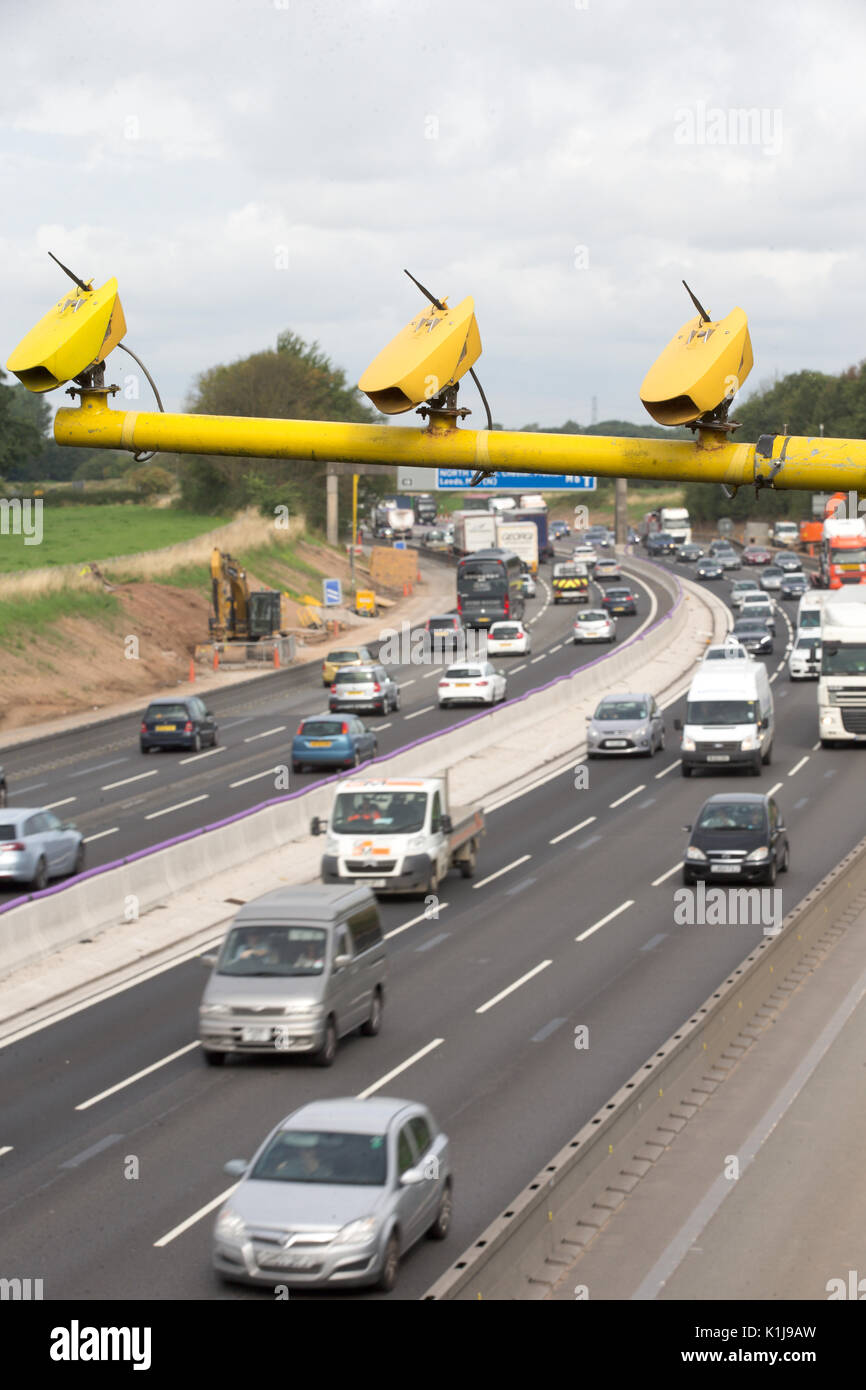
(35, 846)
(625, 724)
(364, 687)
(337, 1193)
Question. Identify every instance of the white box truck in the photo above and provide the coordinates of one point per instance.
(398, 835)
(729, 718)
(842, 682)
(520, 537)
(473, 531)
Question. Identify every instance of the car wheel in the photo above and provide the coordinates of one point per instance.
(374, 1022)
(215, 738)
(688, 878)
(396, 700)
(390, 1261)
(297, 767)
(328, 1051)
(356, 761)
(196, 744)
(3, 794)
(662, 742)
(40, 878)
(770, 876)
(442, 1224)
(145, 748)
(80, 854)
(786, 860)
(214, 1059)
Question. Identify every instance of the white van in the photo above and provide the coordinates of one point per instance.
(729, 718)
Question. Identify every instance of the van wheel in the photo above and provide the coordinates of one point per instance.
(755, 768)
(432, 882)
(467, 865)
(328, 1051)
(768, 756)
(374, 1022)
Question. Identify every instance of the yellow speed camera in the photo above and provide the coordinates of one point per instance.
(78, 333)
(700, 370)
(432, 352)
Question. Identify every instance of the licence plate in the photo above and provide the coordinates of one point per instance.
(166, 728)
(462, 685)
(616, 743)
(290, 1261)
(355, 692)
(374, 882)
(725, 868)
(718, 757)
(255, 1035)
(319, 743)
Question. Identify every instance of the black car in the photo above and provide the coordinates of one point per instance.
(739, 837)
(598, 536)
(754, 635)
(619, 599)
(794, 585)
(178, 722)
(661, 543)
(788, 562)
(3, 792)
(558, 529)
(689, 553)
(708, 568)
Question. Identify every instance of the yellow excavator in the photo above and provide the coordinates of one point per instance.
(241, 616)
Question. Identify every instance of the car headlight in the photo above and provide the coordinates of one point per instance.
(416, 842)
(694, 853)
(594, 735)
(229, 1225)
(688, 745)
(302, 1007)
(357, 1231)
(760, 853)
(211, 1010)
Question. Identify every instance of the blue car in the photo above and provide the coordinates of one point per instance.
(328, 740)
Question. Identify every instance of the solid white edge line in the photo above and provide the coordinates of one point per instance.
(613, 805)
(178, 807)
(410, 1061)
(629, 902)
(511, 988)
(797, 766)
(101, 834)
(196, 1216)
(499, 872)
(573, 831)
(413, 922)
(145, 1071)
(675, 870)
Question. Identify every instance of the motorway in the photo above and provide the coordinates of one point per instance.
(114, 1133)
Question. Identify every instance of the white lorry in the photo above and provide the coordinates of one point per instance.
(401, 520)
(398, 835)
(842, 681)
(675, 520)
(521, 538)
(473, 531)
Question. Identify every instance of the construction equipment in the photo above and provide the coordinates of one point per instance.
(241, 616)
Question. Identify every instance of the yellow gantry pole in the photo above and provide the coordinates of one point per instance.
(781, 461)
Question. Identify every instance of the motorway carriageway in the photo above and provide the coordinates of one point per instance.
(125, 801)
(569, 923)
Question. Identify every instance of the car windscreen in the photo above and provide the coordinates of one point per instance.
(8, 832)
(621, 709)
(847, 660)
(711, 712)
(593, 615)
(618, 593)
(344, 1160)
(342, 656)
(730, 815)
(379, 813)
(463, 673)
(166, 713)
(724, 654)
(441, 622)
(505, 630)
(322, 728)
(273, 951)
(354, 677)
(773, 572)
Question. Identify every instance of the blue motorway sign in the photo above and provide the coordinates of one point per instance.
(460, 478)
(333, 592)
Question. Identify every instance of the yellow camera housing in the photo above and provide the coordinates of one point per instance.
(432, 352)
(78, 333)
(701, 368)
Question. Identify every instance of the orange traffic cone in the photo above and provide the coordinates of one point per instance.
(276, 657)
(405, 589)
(191, 670)
(216, 659)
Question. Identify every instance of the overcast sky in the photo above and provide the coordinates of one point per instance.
(245, 166)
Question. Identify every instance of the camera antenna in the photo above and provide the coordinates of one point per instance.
(74, 278)
(700, 308)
